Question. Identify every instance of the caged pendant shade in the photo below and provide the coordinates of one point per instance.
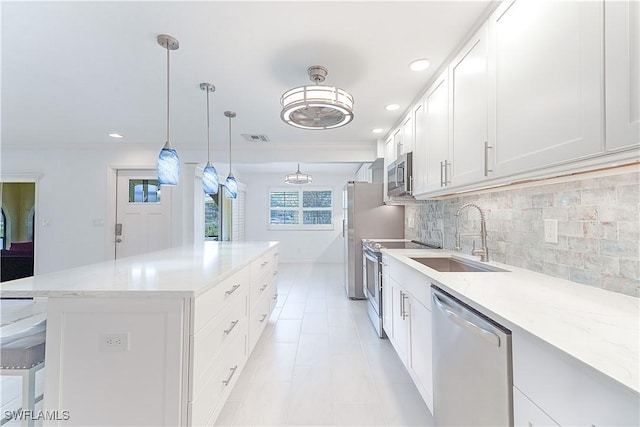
(210, 181)
(168, 167)
(230, 185)
(298, 178)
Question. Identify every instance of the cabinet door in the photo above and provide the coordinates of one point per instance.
(468, 86)
(389, 152)
(420, 350)
(437, 113)
(527, 414)
(387, 301)
(547, 82)
(622, 71)
(419, 147)
(400, 328)
(407, 134)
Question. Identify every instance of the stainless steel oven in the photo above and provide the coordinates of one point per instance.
(372, 274)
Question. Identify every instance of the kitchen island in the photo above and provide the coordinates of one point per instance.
(156, 339)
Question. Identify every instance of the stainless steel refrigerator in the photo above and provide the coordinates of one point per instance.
(365, 217)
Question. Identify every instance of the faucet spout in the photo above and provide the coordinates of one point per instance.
(484, 251)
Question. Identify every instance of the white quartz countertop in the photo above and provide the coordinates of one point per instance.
(183, 271)
(598, 327)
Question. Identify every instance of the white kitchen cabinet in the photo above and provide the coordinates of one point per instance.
(469, 145)
(546, 83)
(567, 390)
(420, 349)
(419, 147)
(387, 314)
(527, 414)
(400, 325)
(408, 143)
(398, 142)
(436, 104)
(622, 72)
(389, 151)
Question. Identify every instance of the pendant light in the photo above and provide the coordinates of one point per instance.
(230, 185)
(210, 180)
(298, 178)
(168, 168)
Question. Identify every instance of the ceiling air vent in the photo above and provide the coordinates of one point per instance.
(255, 138)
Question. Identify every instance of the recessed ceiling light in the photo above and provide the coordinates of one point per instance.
(115, 135)
(419, 65)
(377, 130)
(392, 107)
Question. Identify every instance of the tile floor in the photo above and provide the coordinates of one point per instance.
(320, 362)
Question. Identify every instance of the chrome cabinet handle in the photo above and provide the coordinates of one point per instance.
(442, 174)
(275, 296)
(264, 316)
(487, 335)
(264, 287)
(486, 158)
(402, 305)
(447, 166)
(232, 290)
(275, 273)
(263, 264)
(233, 325)
(228, 380)
(404, 311)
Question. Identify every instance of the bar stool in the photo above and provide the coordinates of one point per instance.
(22, 354)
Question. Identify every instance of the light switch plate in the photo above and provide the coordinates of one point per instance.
(551, 231)
(114, 342)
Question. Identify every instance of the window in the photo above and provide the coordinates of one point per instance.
(308, 209)
(211, 217)
(144, 191)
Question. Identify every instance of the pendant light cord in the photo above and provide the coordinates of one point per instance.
(229, 144)
(168, 92)
(208, 141)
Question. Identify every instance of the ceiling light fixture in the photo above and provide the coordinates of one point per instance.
(298, 178)
(377, 130)
(419, 65)
(168, 168)
(230, 185)
(392, 107)
(317, 106)
(115, 135)
(210, 181)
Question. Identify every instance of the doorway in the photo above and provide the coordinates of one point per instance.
(17, 229)
(217, 216)
(143, 213)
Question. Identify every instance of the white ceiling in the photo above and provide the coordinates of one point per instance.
(72, 72)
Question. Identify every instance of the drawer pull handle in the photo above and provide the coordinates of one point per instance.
(264, 287)
(264, 316)
(232, 290)
(275, 296)
(264, 264)
(231, 326)
(275, 273)
(228, 380)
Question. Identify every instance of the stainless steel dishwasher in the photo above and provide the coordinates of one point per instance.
(472, 370)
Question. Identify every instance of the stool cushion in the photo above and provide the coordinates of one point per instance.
(24, 349)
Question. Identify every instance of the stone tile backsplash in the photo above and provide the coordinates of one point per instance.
(598, 228)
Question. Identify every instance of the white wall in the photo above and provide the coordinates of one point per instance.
(296, 246)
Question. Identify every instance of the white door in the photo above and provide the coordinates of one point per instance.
(143, 213)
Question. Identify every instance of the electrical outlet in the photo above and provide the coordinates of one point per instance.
(551, 230)
(114, 342)
(412, 222)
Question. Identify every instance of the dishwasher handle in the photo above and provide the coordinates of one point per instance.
(487, 335)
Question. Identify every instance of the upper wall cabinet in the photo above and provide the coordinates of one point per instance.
(436, 109)
(468, 92)
(546, 82)
(420, 147)
(622, 73)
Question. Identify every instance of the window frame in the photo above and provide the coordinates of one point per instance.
(300, 209)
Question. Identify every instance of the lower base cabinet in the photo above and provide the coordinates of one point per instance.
(527, 414)
(420, 350)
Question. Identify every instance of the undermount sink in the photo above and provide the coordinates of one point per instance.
(456, 265)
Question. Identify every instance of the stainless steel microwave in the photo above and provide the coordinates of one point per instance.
(399, 174)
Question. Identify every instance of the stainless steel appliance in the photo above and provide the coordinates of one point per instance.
(472, 369)
(400, 176)
(365, 215)
(372, 274)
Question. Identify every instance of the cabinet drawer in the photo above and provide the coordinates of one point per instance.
(259, 317)
(568, 390)
(412, 281)
(261, 287)
(211, 303)
(213, 338)
(263, 265)
(219, 382)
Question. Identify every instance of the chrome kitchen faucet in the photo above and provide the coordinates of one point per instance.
(484, 251)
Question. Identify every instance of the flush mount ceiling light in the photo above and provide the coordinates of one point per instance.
(317, 106)
(419, 65)
(115, 135)
(392, 107)
(298, 178)
(168, 168)
(210, 180)
(230, 185)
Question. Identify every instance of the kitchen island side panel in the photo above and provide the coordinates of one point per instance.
(116, 361)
